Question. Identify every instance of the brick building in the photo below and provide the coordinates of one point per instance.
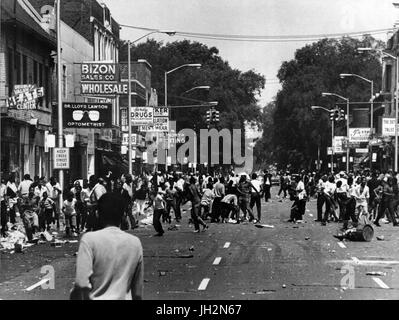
(25, 59)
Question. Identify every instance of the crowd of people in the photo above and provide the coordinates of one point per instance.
(217, 198)
(360, 197)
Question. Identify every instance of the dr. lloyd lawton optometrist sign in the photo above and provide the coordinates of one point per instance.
(87, 115)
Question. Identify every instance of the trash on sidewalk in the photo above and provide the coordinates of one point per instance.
(264, 226)
(56, 243)
(307, 238)
(376, 273)
(46, 236)
(173, 228)
(162, 273)
(284, 286)
(191, 248)
(380, 238)
(185, 256)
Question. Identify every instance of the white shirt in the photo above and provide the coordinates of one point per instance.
(344, 186)
(53, 190)
(24, 187)
(257, 185)
(267, 180)
(361, 197)
(3, 191)
(301, 190)
(329, 188)
(39, 192)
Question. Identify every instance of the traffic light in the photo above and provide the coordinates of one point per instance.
(208, 116)
(215, 116)
(334, 114)
(341, 114)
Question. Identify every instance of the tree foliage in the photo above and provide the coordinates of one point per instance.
(234, 90)
(295, 131)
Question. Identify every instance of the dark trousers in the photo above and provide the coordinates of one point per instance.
(255, 199)
(301, 208)
(12, 214)
(205, 208)
(156, 220)
(350, 212)
(387, 202)
(266, 189)
(243, 203)
(195, 210)
(226, 208)
(3, 217)
(330, 208)
(320, 202)
(283, 189)
(178, 210)
(171, 205)
(216, 208)
(342, 199)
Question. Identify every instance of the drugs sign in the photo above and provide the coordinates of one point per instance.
(142, 116)
(99, 71)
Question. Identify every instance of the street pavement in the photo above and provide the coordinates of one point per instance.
(232, 262)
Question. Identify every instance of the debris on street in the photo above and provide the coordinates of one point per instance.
(376, 273)
(264, 226)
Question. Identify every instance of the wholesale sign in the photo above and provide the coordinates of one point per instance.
(142, 116)
(388, 127)
(87, 115)
(99, 71)
(359, 134)
(103, 89)
(25, 97)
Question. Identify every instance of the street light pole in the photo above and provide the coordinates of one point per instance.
(396, 115)
(59, 97)
(129, 116)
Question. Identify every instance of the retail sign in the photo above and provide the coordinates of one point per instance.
(103, 88)
(388, 127)
(125, 139)
(329, 151)
(25, 97)
(61, 158)
(161, 112)
(339, 144)
(87, 115)
(99, 72)
(361, 150)
(359, 134)
(142, 116)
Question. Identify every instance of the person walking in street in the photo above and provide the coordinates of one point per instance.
(109, 263)
(127, 194)
(47, 208)
(97, 190)
(244, 195)
(195, 199)
(301, 194)
(256, 195)
(283, 185)
(219, 193)
(3, 209)
(373, 184)
(23, 188)
(329, 191)
(267, 185)
(206, 201)
(69, 211)
(350, 209)
(54, 191)
(386, 201)
(362, 196)
(159, 206)
(12, 197)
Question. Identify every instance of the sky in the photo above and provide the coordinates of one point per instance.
(253, 17)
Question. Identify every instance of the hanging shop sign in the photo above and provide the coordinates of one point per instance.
(125, 139)
(161, 112)
(142, 116)
(61, 158)
(339, 144)
(388, 127)
(87, 115)
(103, 89)
(161, 124)
(359, 134)
(25, 97)
(99, 71)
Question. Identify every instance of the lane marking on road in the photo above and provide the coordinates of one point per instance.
(37, 284)
(380, 283)
(204, 284)
(217, 261)
(341, 244)
(366, 262)
(226, 245)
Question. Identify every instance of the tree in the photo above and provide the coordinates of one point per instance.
(234, 90)
(296, 130)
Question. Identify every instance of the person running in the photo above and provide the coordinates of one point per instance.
(109, 263)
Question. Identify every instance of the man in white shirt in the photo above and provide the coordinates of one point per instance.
(320, 197)
(342, 189)
(256, 192)
(267, 180)
(23, 188)
(109, 263)
(329, 191)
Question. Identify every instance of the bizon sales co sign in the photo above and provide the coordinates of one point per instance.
(142, 116)
(99, 71)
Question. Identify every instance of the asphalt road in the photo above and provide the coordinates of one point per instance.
(289, 261)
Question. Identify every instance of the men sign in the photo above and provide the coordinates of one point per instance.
(142, 116)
